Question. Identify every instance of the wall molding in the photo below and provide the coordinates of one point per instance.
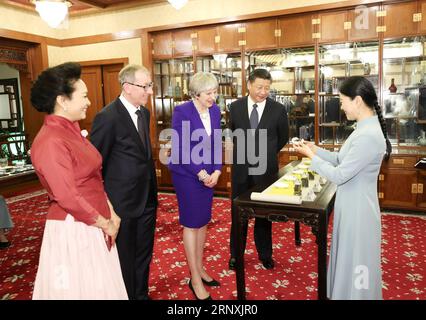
(28, 37)
(124, 61)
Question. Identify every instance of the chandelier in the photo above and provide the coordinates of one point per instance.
(178, 4)
(53, 12)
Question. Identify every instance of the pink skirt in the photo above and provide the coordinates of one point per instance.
(75, 264)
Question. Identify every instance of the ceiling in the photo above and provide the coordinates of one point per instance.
(86, 6)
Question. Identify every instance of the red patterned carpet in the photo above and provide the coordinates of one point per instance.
(294, 277)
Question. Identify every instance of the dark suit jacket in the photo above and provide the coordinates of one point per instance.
(127, 171)
(274, 120)
(182, 145)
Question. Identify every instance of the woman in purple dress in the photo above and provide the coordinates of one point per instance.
(196, 162)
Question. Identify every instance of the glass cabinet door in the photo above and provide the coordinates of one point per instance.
(336, 63)
(227, 69)
(171, 80)
(293, 85)
(404, 90)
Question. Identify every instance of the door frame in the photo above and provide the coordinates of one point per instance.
(124, 61)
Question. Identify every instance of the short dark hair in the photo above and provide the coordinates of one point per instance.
(259, 73)
(54, 82)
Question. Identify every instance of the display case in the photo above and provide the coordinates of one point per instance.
(228, 70)
(171, 80)
(404, 90)
(299, 49)
(336, 63)
(293, 85)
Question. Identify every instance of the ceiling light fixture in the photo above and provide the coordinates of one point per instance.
(53, 12)
(178, 4)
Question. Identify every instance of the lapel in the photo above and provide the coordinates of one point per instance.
(125, 118)
(266, 115)
(214, 117)
(146, 128)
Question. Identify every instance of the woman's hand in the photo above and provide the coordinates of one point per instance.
(214, 177)
(111, 229)
(115, 219)
(311, 146)
(307, 149)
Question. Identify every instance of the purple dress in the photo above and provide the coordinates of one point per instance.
(192, 151)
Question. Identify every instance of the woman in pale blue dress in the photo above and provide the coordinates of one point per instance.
(354, 271)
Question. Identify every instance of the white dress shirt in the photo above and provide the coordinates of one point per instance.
(260, 107)
(205, 119)
(131, 109)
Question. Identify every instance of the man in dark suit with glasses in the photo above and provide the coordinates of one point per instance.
(121, 134)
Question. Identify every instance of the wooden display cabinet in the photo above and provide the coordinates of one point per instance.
(297, 30)
(422, 22)
(400, 184)
(162, 45)
(355, 24)
(404, 13)
(366, 40)
(421, 192)
(269, 31)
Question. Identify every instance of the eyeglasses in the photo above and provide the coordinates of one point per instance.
(145, 87)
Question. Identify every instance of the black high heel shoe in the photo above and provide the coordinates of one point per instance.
(192, 289)
(211, 283)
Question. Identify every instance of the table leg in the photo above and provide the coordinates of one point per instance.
(297, 240)
(237, 220)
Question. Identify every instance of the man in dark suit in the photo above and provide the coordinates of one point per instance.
(256, 111)
(121, 134)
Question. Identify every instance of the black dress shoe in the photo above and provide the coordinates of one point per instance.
(232, 264)
(4, 245)
(192, 289)
(211, 283)
(268, 263)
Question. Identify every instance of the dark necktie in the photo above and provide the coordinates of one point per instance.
(142, 130)
(254, 117)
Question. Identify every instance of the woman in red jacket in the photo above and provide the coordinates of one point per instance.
(78, 258)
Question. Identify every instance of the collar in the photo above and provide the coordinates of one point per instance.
(59, 121)
(260, 105)
(130, 107)
(367, 121)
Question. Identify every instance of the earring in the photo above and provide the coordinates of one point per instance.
(65, 109)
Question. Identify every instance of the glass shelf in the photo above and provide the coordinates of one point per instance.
(337, 62)
(404, 63)
(293, 85)
(227, 69)
(171, 80)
